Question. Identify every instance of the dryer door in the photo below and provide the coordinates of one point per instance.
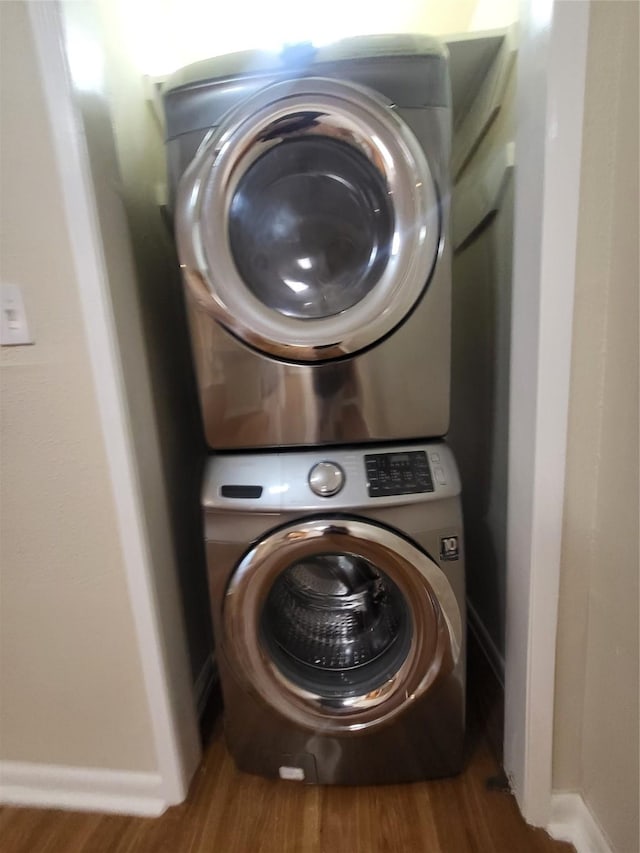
(337, 623)
(308, 224)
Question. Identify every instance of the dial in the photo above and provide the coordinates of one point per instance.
(326, 479)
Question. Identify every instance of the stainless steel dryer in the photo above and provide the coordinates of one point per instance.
(311, 221)
(340, 629)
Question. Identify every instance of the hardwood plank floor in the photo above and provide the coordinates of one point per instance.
(228, 812)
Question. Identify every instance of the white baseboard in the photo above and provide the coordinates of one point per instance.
(81, 788)
(571, 820)
(485, 641)
(205, 683)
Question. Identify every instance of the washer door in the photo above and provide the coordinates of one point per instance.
(338, 623)
(308, 224)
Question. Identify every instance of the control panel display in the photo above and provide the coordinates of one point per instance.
(397, 473)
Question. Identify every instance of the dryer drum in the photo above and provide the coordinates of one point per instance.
(334, 622)
(311, 227)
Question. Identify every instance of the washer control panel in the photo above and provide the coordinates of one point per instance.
(397, 473)
(346, 479)
(326, 479)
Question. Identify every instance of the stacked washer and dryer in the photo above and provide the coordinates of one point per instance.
(310, 197)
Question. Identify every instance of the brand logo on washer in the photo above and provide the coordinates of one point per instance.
(449, 548)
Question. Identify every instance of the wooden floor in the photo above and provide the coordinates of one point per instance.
(228, 812)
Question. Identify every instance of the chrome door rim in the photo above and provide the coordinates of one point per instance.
(437, 625)
(208, 186)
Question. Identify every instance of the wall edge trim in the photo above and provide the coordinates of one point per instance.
(551, 88)
(573, 821)
(127, 792)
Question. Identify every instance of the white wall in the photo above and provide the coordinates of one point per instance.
(72, 684)
(164, 37)
(596, 709)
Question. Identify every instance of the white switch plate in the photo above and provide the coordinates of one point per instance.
(14, 330)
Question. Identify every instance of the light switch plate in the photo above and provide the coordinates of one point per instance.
(14, 330)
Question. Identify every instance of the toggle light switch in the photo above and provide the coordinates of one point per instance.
(14, 330)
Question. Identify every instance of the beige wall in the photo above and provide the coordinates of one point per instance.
(72, 690)
(596, 716)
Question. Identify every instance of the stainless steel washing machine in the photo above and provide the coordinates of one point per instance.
(311, 217)
(340, 629)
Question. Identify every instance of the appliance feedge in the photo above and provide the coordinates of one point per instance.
(400, 716)
(375, 370)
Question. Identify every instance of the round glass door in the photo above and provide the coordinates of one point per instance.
(338, 622)
(308, 224)
(336, 625)
(310, 227)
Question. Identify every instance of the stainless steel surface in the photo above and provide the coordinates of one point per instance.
(285, 487)
(379, 49)
(326, 479)
(322, 109)
(411, 71)
(396, 390)
(425, 742)
(271, 718)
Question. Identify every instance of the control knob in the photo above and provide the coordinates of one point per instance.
(326, 479)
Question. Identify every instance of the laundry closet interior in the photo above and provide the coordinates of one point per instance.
(375, 441)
